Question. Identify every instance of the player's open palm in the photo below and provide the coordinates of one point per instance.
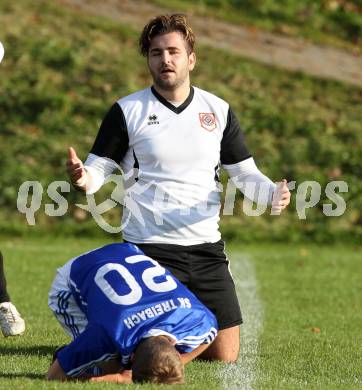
(281, 197)
(75, 169)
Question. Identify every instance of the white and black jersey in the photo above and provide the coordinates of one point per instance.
(170, 157)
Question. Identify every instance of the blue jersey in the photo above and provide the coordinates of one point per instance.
(127, 296)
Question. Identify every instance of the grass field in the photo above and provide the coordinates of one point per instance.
(302, 311)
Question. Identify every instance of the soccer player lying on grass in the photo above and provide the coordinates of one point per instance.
(126, 312)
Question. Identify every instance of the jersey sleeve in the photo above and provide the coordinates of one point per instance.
(90, 348)
(112, 138)
(251, 181)
(99, 168)
(199, 327)
(233, 148)
(190, 342)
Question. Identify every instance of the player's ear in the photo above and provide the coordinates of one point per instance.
(192, 61)
(171, 340)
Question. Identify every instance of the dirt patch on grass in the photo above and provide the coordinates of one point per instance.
(293, 54)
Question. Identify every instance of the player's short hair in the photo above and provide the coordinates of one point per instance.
(164, 24)
(157, 361)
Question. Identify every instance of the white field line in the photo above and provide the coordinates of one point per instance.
(242, 374)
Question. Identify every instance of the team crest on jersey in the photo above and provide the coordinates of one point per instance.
(207, 120)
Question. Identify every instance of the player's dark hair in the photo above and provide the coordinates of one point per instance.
(164, 24)
(157, 361)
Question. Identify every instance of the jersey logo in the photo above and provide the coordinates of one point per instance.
(152, 120)
(207, 120)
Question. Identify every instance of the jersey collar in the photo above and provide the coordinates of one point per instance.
(176, 110)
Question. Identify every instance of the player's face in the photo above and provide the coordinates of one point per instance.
(170, 62)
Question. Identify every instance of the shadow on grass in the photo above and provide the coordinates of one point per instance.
(38, 350)
(22, 376)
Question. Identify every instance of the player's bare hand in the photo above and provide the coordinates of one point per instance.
(75, 169)
(124, 377)
(281, 198)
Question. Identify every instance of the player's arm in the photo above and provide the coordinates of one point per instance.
(187, 357)
(91, 347)
(56, 372)
(187, 350)
(123, 376)
(281, 197)
(242, 169)
(238, 162)
(112, 372)
(77, 173)
(109, 148)
(257, 187)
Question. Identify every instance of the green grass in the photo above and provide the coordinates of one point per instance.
(299, 287)
(305, 289)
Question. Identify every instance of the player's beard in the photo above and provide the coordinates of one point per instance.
(170, 84)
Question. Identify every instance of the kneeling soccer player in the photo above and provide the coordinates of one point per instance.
(124, 311)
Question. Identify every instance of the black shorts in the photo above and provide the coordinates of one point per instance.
(204, 269)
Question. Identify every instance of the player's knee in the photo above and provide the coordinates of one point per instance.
(222, 353)
(223, 357)
(231, 358)
(227, 356)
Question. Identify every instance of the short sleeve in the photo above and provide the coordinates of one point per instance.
(112, 138)
(90, 348)
(233, 148)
